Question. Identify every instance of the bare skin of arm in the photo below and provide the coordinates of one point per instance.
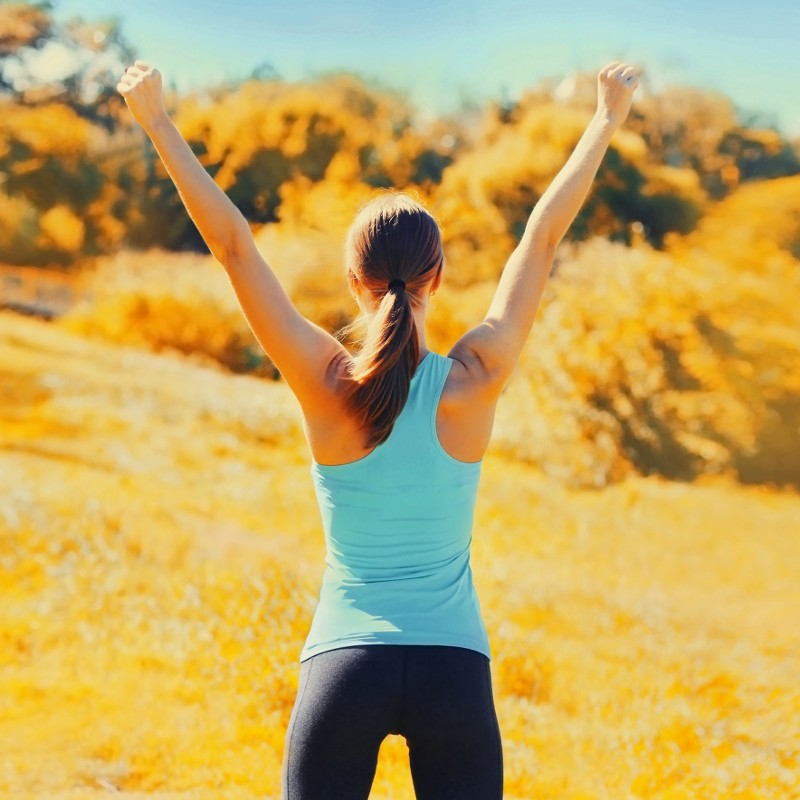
(313, 363)
(486, 356)
(305, 354)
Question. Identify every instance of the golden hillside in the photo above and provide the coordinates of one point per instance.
(678, 362)
(161, 553)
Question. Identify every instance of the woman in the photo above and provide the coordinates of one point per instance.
(397, 434)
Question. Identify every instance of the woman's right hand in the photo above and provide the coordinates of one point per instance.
(616, 83)
(141, 87)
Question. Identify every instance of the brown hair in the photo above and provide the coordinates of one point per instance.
(393, 238)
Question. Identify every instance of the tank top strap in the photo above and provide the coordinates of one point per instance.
(415, 428)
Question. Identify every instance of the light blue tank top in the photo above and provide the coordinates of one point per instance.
(398, 527)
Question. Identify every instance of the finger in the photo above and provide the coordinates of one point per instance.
(618, 70)
(127, 80)
(630, 78)
(607, 70)
(132, 71)
(142, 65)
(123, 88)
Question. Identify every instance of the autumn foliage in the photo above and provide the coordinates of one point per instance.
(80, 178)
(679, 362)
(636, 532)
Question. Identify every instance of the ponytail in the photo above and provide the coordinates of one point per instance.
(393, 242)
(382, 371)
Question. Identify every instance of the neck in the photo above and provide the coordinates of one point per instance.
(419, 321)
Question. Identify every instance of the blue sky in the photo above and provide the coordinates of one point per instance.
(442, 51)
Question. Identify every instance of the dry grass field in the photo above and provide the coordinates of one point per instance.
(160, 553)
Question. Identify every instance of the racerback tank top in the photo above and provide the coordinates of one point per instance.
(398, 527)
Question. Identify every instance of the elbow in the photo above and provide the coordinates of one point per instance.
(222, 251)
(550, 238)
(552, 243)
(541, 241)
(229, 246)
(540, 235)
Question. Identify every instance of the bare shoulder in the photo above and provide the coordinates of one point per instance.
(331, 403)
(465, 416)
(334, 436)
(471, 378)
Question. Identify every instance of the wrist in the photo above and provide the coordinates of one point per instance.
(606, 120)
(155, 124)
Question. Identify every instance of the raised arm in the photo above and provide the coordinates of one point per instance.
(492, 349)
(301, 350)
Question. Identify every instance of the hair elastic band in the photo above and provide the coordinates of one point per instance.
(396, 285)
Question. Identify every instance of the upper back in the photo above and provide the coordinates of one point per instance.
(398, 527)
(415, 495)
(463, 413)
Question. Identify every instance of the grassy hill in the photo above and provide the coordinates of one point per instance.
(160, 553)
(677, 362)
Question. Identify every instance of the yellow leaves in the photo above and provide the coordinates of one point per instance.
(634, 148)
(167, 302)
(770, 139)
(53, 130)
(749, 226)
(557, 126)
(295, 140)
(723, 750)
(666, 178)
(305, 129)
(328, 206)
(62, 228)
(17, 221)
(21, 24)
(651, 358)
(344, 168)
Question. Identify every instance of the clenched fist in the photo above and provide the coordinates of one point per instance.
(615, 86)
(141, 88)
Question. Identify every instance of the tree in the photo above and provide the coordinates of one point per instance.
(75, 63)
(58, 109)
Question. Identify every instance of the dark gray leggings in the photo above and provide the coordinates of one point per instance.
(349, 700)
